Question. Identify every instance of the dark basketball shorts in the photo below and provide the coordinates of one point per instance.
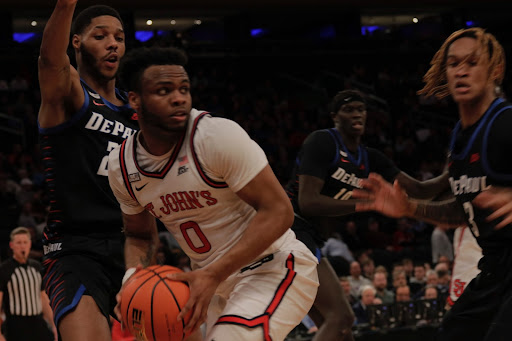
(83, 266)
(306, 233)
(484, 310)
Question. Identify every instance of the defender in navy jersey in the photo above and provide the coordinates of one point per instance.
(470, 67)
(83, 116)
(329, 167)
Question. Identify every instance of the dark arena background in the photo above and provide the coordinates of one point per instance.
(273, 66)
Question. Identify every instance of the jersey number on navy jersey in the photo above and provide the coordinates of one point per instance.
(103, 168)
(468, 208)
(343, 194)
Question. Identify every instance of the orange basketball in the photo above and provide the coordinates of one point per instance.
(150, 304)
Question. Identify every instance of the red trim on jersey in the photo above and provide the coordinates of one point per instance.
(124, 171)
(449, 299)
(168, 166)
(264, 319)
(210, 182)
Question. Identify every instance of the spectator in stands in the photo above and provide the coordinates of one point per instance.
(338, 254)
(399, 279)
(441, 244)
(380, 282)
(408, 267)
(431, 292)
(352, 236)
(356, 279)
(367, 294)
(368, 268)
(375, 238)
(403, 293)
(345, 284)
(418, 281)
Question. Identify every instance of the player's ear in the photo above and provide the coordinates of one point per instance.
(134, 100)
(333, 116)
(75, 41)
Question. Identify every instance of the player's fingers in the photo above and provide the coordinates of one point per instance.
(370, 184)
(506, 221)
(365, 206)
(375, 176)
(361, 194)
(194, 320)
(178, 276)
(499, 212)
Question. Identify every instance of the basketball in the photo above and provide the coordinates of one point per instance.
(150, 304)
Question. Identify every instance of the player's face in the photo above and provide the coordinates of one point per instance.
(20, 246)
(165, 101)
(351, 118)
(101, 46)
(467, 71)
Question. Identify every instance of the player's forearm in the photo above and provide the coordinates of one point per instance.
(324, 206)
(141, 239)
(265, 228)
(56, 34)
(140, 251)
(447, 212)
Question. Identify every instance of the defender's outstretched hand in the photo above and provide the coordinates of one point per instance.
(381, 196)
(499, 200)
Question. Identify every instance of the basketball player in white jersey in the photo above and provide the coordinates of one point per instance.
(465, 265)
(213, 189)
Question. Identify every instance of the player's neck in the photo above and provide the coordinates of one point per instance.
(106, 89)
(157, 146)
(351, 141)
(471, 112)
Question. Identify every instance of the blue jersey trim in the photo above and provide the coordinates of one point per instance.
(362, 158)
(72, 305)
(485, 161)
(484, 119)
(333, 163)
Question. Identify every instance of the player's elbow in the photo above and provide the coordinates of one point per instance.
(285, 213)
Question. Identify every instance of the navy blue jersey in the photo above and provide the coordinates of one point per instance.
(325, 156)
(75, 156)
(479, 157)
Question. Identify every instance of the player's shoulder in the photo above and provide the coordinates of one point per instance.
(321, 136)
(211, 126)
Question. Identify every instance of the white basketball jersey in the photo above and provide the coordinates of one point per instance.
(194, 194)
(467, 255)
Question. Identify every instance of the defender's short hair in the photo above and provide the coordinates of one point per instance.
(84, 18)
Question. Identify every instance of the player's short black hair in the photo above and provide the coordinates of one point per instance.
(138, 60)
(344, 97)
(84, 18)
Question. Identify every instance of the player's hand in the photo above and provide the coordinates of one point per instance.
(499, 200)
(203, 284)
(379, 195)
(117, 308)
(2, 338)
